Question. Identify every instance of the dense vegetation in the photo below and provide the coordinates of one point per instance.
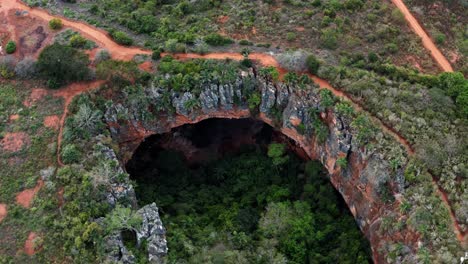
(251, 208)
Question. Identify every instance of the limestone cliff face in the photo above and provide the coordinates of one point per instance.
(366, 180)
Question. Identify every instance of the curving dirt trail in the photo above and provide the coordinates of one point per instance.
(444, 64)
(127, 53)
(68, 93)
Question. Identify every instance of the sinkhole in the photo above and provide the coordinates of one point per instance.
(239, 191)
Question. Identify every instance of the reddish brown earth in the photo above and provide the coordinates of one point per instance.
(146, 66)
(3, 212)
(13, 142)
(25, 197)
(36, 95)
(426, 40)
(29, 247)
(52, 121)
(13, 117)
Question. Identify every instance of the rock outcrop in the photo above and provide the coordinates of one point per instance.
(365, 180)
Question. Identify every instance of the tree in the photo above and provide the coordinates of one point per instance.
(61, 64)
(70, 154)
(55, 24)
(10, 47)
(277, 152)
(312, 64)
(121, 38)
(122, 218)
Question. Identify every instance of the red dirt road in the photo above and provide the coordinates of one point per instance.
(444, 64)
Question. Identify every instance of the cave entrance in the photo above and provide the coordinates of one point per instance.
(239, 190)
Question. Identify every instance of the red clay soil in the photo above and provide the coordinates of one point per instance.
(3, 212)
(13, 117)
(101, 37)
(29, 247)
(52, 121)
(25, 197)
(146, 66)
(426, 40)
(13, 142)
(36, 95)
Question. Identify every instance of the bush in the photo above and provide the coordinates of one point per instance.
(156, 55)
(60, 64)
(70, 154)
(312, 64)
(293, 61)
(77, 41)
(245, 42)
(122, 38)
(439, 38)
(102, 55)
(26, 69)
(391, 48)
(342, 162)
(200, 46)
(10, 47)
(173, 45)
(7, 66)
(215, 39)
(55, 24)
(291, 36)
(329, 39)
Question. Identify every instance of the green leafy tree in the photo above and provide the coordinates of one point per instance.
(61, 64)
(122, 218)
(277, 152)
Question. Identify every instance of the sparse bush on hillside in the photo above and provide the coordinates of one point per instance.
(10, 47)
(102, 55)
(55, 24)
(312, 64)
(7, 67)
(293, 60)
(217, 40)
(26, 69)
(70, 154)
(121, 38)
(60, 64)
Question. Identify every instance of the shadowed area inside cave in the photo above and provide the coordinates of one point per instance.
(238, 191)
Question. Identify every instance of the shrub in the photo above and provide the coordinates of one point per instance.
(60, 64)
(70, 154)
(342, 162)
(391, 48)
(102, 55)
(293, 61)
(245, 42)
(7, 67)
(291, 36)
(77, 41)
(215, 39)
(398, 16)
(10, 47)
(329, 39)
(156, 55)
(121, 38)
(439, 38)
(55, 24)
(26, 69)
(200, 46)
(312, 64)
(173, 45)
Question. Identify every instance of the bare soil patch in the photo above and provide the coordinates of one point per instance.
(13, 142)
(52, 121)
(13, 117)
(29, 244)
(3, 212)
(25, 197)
(36, 95)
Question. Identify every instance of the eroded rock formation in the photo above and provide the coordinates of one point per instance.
(366, 180)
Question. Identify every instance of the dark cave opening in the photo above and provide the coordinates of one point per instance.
(217, 177)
